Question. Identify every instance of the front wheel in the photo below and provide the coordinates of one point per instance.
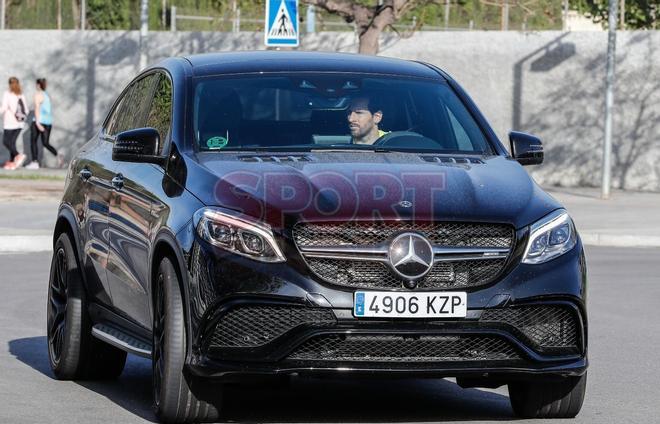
(176, 400)
(551, 399)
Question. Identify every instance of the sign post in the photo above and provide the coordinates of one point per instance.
(281, 23)
(609, 101)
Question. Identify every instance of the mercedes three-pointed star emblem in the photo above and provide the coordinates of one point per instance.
(411, 256)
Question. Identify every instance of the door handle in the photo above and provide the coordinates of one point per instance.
(118, 182)
(85, 174)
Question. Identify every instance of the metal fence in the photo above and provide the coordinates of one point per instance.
(229, 16)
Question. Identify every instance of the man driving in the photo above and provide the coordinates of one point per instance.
(363, 119)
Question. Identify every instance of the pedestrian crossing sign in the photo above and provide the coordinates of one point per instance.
(281, 23)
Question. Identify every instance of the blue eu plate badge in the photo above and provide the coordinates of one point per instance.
(359, 304)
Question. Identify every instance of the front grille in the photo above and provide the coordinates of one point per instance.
(547, 327)
(471, 269)
(373, 275)
(374, 232)
(257, 325)
(404, 349)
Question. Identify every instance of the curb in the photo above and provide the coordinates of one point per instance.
(611, 240)
(43, 243)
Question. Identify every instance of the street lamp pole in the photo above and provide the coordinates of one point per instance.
(609, 100)
(3, 4)
(446, 15)
(83, 14)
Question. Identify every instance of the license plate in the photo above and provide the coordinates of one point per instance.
(410, 305)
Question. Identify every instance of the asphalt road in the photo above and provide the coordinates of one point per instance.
(624, 299)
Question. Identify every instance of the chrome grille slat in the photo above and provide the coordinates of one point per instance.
(355, 254)
(454, 234)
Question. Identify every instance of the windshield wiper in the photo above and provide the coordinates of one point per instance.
(268, 149)
(346, 148)
(307, 148)
(352, 148)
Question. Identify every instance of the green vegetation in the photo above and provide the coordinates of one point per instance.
(13, 175)
(487, 14)
(639, 14)
(124, 14)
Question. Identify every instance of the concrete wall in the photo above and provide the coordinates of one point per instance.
(549, 83)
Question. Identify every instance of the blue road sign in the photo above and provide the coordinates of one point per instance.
(281, 23)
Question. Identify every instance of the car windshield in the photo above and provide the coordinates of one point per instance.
(332, 111)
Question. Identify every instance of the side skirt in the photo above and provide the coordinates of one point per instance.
(122, 340)
(119, 331)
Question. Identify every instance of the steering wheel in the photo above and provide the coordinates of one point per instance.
(406, 139)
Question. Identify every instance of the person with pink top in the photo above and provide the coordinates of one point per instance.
(15, 112)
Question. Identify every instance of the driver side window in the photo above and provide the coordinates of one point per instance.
(114, 121)
(131, 111)
(160, 112)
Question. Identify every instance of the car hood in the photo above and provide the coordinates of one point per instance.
(282, 189)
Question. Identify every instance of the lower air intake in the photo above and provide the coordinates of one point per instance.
(256, 325)
(547, 327)
(393, 348)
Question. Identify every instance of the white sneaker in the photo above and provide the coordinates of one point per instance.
(32, 165)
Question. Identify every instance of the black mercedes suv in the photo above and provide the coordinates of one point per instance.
(289, 213)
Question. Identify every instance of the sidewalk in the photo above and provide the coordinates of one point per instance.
(28, 207)
(627, 219)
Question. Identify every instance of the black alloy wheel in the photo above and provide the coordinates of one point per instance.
(57, 305)
(158, 341)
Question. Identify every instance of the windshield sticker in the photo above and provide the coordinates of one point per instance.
(216, 142)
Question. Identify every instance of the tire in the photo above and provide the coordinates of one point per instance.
(552, 399)
(73, 353)
(177, 399)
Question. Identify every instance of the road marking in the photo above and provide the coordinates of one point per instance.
(24, 244)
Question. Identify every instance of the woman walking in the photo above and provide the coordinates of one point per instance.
(15, 112)
(41, 125)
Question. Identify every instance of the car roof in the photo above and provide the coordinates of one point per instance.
(301, 61)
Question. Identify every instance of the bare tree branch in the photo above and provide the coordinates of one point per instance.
(370, 21)
(347, 9)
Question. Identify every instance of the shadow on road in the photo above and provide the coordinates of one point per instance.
(131, 391)
(304, 400)
(33, 352)
(343, 400)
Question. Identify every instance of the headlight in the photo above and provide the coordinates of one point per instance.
(242, 236)
(550, 237)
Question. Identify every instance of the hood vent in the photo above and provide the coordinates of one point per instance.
(276, 158)
(451, 160)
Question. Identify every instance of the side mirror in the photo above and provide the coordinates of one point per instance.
(526, 149)
(138, 145)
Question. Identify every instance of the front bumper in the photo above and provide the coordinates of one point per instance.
(325, 338)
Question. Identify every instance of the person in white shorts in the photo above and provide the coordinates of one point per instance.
(14, 109)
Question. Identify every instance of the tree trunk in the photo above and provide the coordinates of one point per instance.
(369, 41)
(75, 10)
